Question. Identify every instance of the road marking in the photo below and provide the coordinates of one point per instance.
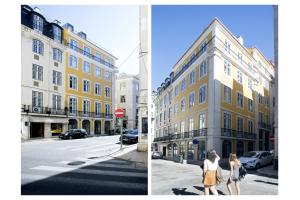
(91, 171)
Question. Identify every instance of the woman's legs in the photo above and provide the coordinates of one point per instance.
(206, 190)
(229, 187)
(213, 190)
(237, 185)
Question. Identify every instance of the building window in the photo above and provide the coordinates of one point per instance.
(56, 77)
(86, 106)
(240, 77)
(72, 105)
(176, 91)
(240, 124)
(192, 99)
(123, 100)
(250, 84)
(122, 86)
(170, 96)
(182, 127)
(175, 109)
(260, 117)
(202, 118)
(37, 72)
(240, 98)
(227, 120)
(227, 67)
(260, 98)
(203, 47)
(56, 34)
(37, 99)
(97, 56)
(87, 51)
(97, 71)
(73, 44)
(182, 105)
(86, 86)
(192, 77)
(183, 85)
(191, 124)
(240, 58)
(107, 92)
(38, 23)
(250, 105)
(202, 94)
(107, 109)
(56, 102)
(107, 75)
(73, 61)
(57, 55)
(227, 46)
(250, 126)
(267, 101)
(86, 67)
(37, 47)
(98, 89)
(73, 82)
(227, 94)
(175, 128)
(97, 108)
(202, 70)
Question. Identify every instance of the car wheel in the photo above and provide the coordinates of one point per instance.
(70, 137)
(257, 166)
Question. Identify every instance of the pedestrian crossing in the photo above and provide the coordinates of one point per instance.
(109, 177)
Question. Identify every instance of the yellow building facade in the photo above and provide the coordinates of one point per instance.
(89, 82)
(218, 96)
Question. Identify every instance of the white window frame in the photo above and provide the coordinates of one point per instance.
(191, 104)
(182, 108)
(100, 89)
(86, 110)
(37, 46)
(86, 67)
(227, 67)
(237, 99)
(76, 83)
(239, 77)
(109, 92)
(57, 55)
(73, 111)
(203, 68)
(229, 125)
(87, 86)
(37, 72)
(56, 77)
(229, 96)
(56, 102)
(250, 110)
(192, 77)
(73, 61)
(205, 93)
(98, 69)
(202, 120)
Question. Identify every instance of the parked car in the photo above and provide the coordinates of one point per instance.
(130, 137)
(156, 155)
(256, 159)
(73, 134)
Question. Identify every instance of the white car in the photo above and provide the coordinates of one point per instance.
(256, 159)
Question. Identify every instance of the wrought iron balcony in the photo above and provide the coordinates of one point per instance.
(264, 125)
(42, 110)
(237, 134)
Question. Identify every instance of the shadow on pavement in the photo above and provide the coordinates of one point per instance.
(111, 177)
(267, 182)
(202, 189)
(182, 191)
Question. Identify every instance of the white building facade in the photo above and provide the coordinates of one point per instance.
(126, 97)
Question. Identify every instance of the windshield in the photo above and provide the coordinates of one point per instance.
(251, 155)
(134, 132)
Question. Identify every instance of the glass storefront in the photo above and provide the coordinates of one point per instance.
(201, 150)
(175, 150)
(190, 151)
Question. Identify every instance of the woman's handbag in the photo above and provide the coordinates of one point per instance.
(219, 175)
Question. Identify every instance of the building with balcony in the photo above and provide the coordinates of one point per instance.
(90, 83)
(43, 76)
(219, 95)
(67, 80)
(127, 91)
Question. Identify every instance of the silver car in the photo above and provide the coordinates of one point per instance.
(256, 159)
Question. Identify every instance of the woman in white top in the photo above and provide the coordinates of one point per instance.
(211, 164)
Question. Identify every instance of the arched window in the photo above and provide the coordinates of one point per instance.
(226, 149)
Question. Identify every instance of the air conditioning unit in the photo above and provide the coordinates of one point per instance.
(56, 64)
(35, 83)
(55, 88)
(36, 109)
(36, 57)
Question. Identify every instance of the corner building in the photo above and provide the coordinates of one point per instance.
(219, 96)
(90, 83)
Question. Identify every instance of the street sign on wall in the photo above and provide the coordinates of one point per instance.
(119, 113)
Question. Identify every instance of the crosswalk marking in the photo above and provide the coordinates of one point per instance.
(92, 171)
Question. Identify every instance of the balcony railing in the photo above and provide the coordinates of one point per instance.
(91, 56)
(237, 134)
(184, 135)
(75, 113)
(264, 125)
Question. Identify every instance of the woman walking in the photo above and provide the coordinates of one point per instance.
(211, 164)
(234, 164)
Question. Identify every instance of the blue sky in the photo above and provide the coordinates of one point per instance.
(175, 28)
(115, 28)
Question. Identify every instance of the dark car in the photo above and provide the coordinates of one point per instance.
(130, 137)
(74, 134)
(156, 155)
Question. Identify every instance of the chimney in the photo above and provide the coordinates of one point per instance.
(241, 40)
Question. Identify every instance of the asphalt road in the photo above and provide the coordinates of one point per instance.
(88, 166)
(170, 178)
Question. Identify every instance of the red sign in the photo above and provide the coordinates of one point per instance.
(119, 113)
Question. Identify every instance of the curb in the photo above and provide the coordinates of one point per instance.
(270, 175)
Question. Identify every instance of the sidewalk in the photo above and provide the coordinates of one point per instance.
(268, 171)
(141, 158)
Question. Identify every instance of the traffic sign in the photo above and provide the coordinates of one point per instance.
(119, 113)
